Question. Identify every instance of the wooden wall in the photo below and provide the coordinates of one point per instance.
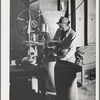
(91, 21)
(80, 23)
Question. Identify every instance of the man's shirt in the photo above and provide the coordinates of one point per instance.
(67, 40)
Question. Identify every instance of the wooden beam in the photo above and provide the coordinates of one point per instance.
(85, 22)
(67, 10)
(58, 5)
(73, 15)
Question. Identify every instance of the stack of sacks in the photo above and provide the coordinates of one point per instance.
(86, 55)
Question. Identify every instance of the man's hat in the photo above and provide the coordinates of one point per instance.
(63, 20)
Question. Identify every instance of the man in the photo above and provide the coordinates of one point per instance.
(65, 75)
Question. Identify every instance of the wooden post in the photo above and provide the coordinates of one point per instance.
(85, 22)
(58, 5)
(67, 10)
(73, 15)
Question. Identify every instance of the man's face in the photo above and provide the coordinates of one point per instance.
(64, 27)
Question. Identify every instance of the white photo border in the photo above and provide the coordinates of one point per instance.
(5, 48)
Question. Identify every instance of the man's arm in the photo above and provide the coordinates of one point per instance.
(71, 51)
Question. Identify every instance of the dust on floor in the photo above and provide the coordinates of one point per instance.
(86, 93)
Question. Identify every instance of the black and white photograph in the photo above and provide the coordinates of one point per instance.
(49, 49)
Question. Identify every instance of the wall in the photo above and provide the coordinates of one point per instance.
(91, 21)
(80, 23)
(51, 15)
(91, 32)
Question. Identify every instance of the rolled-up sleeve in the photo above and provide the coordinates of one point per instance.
(72, 50)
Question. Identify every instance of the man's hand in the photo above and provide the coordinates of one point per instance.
(62, 54)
